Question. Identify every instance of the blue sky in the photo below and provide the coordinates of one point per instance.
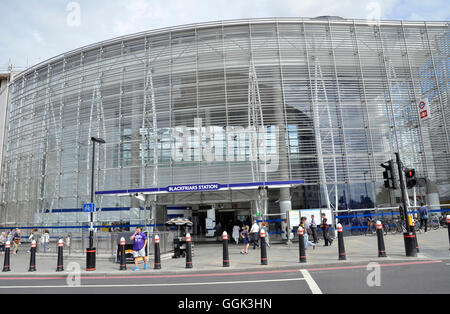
(35, 30)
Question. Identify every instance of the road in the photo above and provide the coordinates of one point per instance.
(427, 276)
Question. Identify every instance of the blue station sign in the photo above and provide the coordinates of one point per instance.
(203, 187)
(193, 187)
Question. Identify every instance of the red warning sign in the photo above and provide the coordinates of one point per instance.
(424, 109)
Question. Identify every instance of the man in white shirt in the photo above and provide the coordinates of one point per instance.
(254, 233)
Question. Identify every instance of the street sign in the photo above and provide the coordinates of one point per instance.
(424, 109)
(89, 208)
(193, 187)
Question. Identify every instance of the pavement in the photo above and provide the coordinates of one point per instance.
(434, 245)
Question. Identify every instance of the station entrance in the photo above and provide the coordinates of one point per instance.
(210, 220)
(214, 207)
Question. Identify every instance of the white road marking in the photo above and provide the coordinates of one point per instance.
(155, 285)
(310, 281)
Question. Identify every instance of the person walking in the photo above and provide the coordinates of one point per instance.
(219, 231)
(45, 239)
(423, 212)
(2, 242)
(266, 231)
(305, 225)
(254, 234)
(33, 237)
(16, 241)
(10, 235)
(325, 227)
(139, 242)
(313, 227)
(236, 232)
(245, 240)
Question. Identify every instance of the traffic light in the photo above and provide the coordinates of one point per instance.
(410, 175)
(388, 175)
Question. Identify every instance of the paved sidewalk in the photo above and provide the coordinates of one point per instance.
(208, 257)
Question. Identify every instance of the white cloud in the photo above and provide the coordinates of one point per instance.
(37, 37)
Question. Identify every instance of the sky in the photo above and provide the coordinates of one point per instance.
(33, 31)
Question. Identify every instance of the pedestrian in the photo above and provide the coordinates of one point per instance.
(235, 235)
(245, 240)
(45, 239)
(423, 211)
(254, 234)
(10, 235)
(305, 225)
(16, 241)
(218, 231)
(139, 242)
(325, 227)
(313, 227)
(2, 242)
(32, 237)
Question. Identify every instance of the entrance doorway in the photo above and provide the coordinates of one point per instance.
(227, 214)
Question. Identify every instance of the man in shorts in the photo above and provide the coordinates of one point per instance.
(139, 242)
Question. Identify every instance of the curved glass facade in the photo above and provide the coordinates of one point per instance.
(325, 101)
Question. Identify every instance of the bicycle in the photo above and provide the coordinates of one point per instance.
(371, 227)
(443, 220)
(389, 226)
(432, 223)
(397, 226)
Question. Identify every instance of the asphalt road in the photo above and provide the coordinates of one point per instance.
(422, 277)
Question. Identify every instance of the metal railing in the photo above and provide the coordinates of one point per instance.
(106, 243)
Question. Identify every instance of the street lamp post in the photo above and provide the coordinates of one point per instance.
(90, 252)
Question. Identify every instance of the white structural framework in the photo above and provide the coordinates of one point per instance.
(334, 97)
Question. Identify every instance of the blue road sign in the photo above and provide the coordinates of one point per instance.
(89, 208)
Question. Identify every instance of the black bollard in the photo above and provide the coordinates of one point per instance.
(341, 242)
(226, 257)
(381, 248)
(301, 244)
(448, 228)
(262, 236)
(60, 261)
(123, 262)
(157, 253)
(32, 256)
(188, 251)
(6, 266)
(410, 244)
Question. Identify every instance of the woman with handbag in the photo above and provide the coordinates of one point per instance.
(245, 240)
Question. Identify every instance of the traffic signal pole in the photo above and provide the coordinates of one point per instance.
(409, 236)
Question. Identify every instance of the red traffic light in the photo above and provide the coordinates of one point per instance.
(410, 173)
